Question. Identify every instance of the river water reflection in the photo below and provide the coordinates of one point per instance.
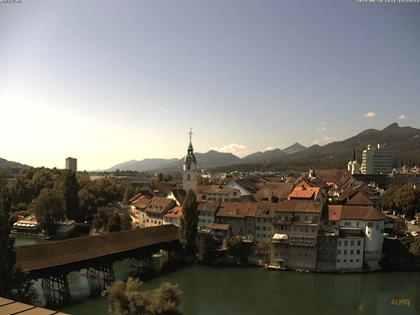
(249, 291)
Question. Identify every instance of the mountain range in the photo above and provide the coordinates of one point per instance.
(404, 142)
(210, 159)
(5, 164)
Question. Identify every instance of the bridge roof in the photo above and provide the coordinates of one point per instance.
(59, 253)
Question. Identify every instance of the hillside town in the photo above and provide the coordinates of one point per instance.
(327, 220)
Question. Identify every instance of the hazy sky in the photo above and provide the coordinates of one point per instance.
(110, 81)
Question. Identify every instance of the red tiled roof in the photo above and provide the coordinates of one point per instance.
(360, 199)
(219, 226)
(266, 210)
(334, 212)
(367, 213)
(302, 192)
(174, 213)
(237, 209)
(331, 175)
(299, 206)
(274, 189)
(208, 207)
(142, 202)
(159, 204)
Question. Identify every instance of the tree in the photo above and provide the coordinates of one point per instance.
(127, 194)
(101, 218)
(404, 199)
(13, 282)
(70, 189)
(238, 249)
(415, 247)
(48, 208)
(188, 223)
(129, 299)
(2, 180)
(114, 223)
(110, 220)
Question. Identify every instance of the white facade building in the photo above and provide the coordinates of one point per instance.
(376, 159)
(360, 236)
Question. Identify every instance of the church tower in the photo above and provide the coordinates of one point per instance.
(189, 169)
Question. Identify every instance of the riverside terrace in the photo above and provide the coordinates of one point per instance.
(52, 261)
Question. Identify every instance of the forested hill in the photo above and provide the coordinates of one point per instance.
(403, 141)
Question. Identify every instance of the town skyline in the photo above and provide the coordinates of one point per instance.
(263, 76)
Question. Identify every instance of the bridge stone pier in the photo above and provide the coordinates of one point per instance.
(53, 261)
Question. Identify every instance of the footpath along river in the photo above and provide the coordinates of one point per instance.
(249, 291)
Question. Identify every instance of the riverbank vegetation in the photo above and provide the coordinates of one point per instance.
(130, 299)
(13, 281)
(403, 199)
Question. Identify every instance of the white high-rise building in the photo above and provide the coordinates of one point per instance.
(189, 169)
(376, 159)
(71, 164)
(353, 166)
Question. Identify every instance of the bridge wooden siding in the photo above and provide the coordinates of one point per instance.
(76, 253)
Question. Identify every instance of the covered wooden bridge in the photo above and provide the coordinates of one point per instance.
(52, 261)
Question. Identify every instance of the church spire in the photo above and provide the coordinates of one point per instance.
(190, 147)
(354, 152)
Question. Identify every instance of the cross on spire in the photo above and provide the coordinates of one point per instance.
(190, 133)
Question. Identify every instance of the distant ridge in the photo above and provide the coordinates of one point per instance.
(264, 156)
(5, 164)
(294, 148)
(404, 141)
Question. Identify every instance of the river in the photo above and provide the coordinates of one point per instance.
(246, 291)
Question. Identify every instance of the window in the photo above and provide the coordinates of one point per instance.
(357, 259)
(370, 224)
(345, 252)
(346, 243)
(358, 243)
(345, 260)
(347, 223)
(188, 175)
(339, 243)
(358, 252)
(351, 260)
(351, 243)
(351, 252)
(339, 252)
(338, 260)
